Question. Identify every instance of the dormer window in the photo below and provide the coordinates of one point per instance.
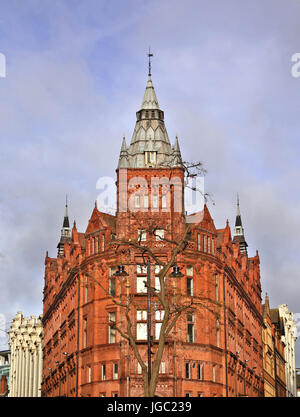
(150, 158)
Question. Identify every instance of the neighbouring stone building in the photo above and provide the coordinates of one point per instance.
(298, 381)
(26, 346)
(210, 352)
(284, 318)
(273, 355)
(4, 372)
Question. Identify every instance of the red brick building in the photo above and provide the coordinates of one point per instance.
(206, 354)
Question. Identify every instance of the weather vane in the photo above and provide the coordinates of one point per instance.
(149, 56)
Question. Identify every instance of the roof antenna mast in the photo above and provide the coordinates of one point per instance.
(149, 64)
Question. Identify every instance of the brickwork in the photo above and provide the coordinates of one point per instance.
(212, 352)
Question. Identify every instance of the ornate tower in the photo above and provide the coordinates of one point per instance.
(150, 175)
(238, 235)
(65, 232)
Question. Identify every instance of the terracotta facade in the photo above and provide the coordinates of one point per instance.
(212, 352)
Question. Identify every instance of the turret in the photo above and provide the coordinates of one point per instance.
(65, 232)
(150, 146)
(238, 235)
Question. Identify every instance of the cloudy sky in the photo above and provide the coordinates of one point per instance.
(75, 75)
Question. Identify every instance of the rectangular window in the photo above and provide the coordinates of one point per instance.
(112, 330)
(189, 271)
(190, 317)
(112, 286)
(187, 370)
(200, 371)
(140, 284)
(190, 333)
(141, 235)
(154, 201)
(146, 201)
(84, 333)
(198, 241)
(152, 157)
(162, 369)
(159, 234)
(141, 325)
(97, 244)
(115, 371)
(157, 330)
(157, 284)
(141, 315)
(89, 374)
(93, 246)
(217, 288)
(112, 271)
(141, 269)
(159, 315)
(214, 374)
(189, 287)
(158, 268)
(164, 201)
(86, 290)
(208, 244)
(204, 243)
(139, 368)
(141, 331)
(103, 372)
(137, 201)
(218, 333)
(190, 328)
(103, 243)
(213, 246)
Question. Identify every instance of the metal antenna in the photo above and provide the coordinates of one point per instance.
(149, 64)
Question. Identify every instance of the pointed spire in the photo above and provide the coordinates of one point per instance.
(238, 230)
(124, 146)
(75, 234)
(66, 223)
(267, 299)
(177, 160)
(238, 219)
(176, 145)
(150, 145)
(65, 231)
(123, 160)
(150, 101)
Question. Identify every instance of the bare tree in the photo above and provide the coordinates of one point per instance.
(169, 299)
